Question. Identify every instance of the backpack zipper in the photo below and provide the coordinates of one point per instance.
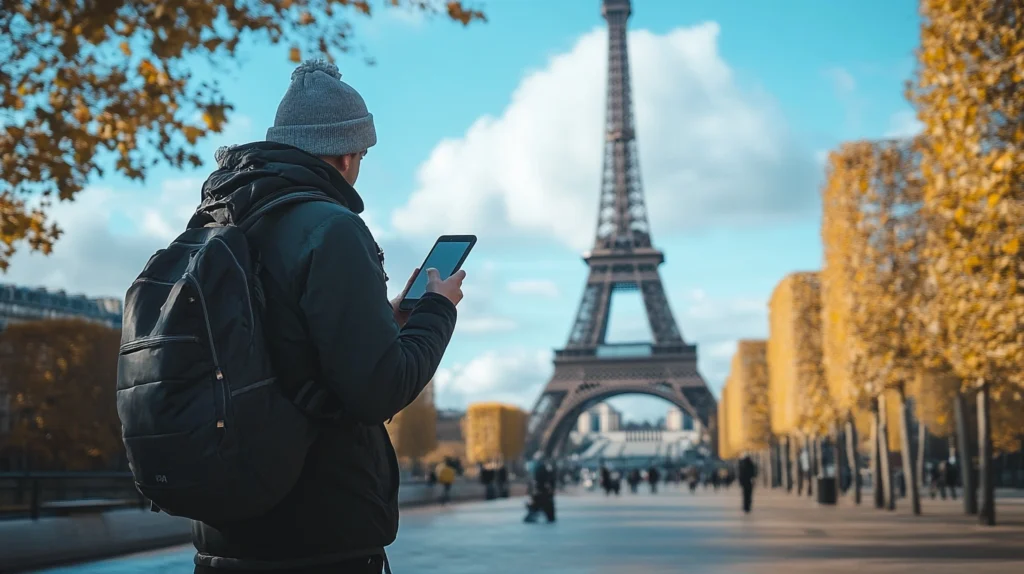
(221, 422)
(153, 340)
(153, 281)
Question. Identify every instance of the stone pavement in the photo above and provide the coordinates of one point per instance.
(675, 531)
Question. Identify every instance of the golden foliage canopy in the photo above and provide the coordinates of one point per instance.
(934, 394)
(874, 235)
(89, 85)
(892, 420)
(797, 390)
(748, 416)
(840, 218)
(1005, 407)
(414, 430)
(494, 432)
(935, 391)
(61, 376)
(725, 449)
(968, 90)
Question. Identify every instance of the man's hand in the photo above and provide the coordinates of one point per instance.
(402, 316)
(451, 287)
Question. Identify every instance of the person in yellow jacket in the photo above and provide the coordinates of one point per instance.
(445, 476)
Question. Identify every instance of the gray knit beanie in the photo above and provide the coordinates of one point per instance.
(321, 115)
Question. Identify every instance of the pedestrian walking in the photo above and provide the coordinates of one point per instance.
(488, 478)
(652, 479)
(266, 333)
(633, 479)
(543, 489)
(952, 476)
(502, 479)
(746, 474)
(606, 480)
(446, 477)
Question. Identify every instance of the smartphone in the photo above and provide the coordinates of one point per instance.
(446, 256)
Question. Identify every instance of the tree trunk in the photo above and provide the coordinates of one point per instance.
(854, 460)
(780, 465)
(798, 450)
(964, 458)
(883, 448)
(837, 459)
(810, 465)
(909, 464)
(762, 463)
(788, 466)
(876, 458)
(922, 446)
(987, 516)
(819, 467)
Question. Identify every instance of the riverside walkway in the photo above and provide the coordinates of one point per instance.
(676, 532)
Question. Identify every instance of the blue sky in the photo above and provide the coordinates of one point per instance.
(495, 129)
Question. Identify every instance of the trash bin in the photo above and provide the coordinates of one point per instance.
(826, 490)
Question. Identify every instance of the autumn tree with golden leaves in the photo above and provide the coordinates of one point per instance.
(61, 376)
(413, 431)
(890, 275)
(845, 365)
(798, 392)
(494, 432)
(967, 91)
(91, 87)
(725, 449)
(874, 235)
(749, 420)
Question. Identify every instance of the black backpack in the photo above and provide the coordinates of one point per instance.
(209, 432)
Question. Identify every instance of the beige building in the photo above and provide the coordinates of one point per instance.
(601, 418)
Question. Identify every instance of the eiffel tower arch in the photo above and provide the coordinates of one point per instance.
(588, 370)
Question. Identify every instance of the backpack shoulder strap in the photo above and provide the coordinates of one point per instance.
(309, 194)
(298, 391)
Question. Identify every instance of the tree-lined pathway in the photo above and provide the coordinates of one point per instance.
(674, 531)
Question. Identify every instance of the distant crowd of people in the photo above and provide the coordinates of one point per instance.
(610, 478)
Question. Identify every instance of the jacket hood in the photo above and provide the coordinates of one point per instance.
(249, 174)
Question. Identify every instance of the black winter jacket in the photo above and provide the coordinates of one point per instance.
(328, 319)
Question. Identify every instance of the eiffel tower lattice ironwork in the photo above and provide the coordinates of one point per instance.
(588, 370)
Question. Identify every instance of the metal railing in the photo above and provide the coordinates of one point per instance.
(36, 494)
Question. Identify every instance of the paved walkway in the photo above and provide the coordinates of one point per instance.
(674, 531)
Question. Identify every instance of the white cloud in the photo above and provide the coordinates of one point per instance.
(515, 376)
(407, 16)
(110, 233)
(904, 124)
(845, 87)
(108, 237)
(715, 324)
(821, 156)
(485, 324)
(842, 80)
(536, 287)
(710, 153)
(379, 232)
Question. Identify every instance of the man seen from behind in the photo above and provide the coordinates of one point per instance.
(331, 332)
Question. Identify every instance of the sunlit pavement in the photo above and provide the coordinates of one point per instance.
(675, 531)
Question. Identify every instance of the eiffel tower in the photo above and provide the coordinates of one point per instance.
(589, 370)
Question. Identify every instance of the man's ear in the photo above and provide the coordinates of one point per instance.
(343, 162)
